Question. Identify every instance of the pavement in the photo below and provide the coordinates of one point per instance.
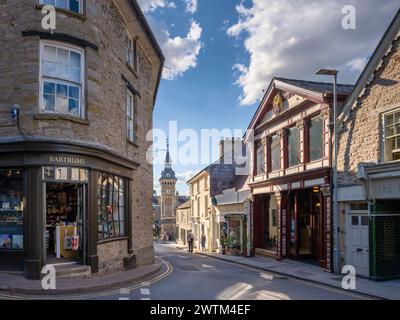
(388, 290)
(14, 283)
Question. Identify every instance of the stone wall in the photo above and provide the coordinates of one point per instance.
(105, 125)
(360, 139)
(111, 256)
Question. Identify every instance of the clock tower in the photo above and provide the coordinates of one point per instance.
(168, 198)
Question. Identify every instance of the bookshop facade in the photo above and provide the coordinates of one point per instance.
(63, 203)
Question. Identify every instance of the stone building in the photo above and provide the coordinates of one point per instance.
(204, 186)
(233, 211)
(369, 167)
(183, 222)
(75, 108)
(290, 145)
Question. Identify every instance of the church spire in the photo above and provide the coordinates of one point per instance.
(168, 162)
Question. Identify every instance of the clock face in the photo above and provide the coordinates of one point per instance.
(168, 191)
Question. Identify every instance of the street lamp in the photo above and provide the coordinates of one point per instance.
(333, 73)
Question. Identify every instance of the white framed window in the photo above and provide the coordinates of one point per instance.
(61, 79)
(391, 140)
(71, 5)
(130, 115)
(132, 56)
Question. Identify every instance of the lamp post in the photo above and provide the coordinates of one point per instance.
(333, 73)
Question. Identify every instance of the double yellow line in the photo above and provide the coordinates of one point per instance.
(166, 273)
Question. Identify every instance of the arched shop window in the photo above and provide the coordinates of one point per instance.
(11, 209)
(111, 206)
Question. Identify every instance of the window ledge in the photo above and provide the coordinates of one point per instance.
(56, 117)
(132, 70)
(103, 241)
(68, 13)
(132, 143)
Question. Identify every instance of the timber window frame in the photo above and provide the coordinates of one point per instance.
(132, 52)
(75, 6)
(62, 79)
(131, 116)
(391, 136)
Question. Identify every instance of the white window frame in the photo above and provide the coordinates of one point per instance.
(81, 51)
(383, 135)
(130, 115)
(42, 2)
(132, 52)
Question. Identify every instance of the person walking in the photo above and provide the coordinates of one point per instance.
(190, 240)
(203, 242)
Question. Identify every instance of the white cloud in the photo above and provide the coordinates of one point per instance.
(191, 6)
(185, 176)
(357, 64)
(294, 38)
(151, 5)
(180, 52)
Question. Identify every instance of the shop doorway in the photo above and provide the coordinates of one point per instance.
(305, 224)
(65, 223)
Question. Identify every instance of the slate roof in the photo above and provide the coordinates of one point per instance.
(168, 173)
(322, 87)
(186, 205)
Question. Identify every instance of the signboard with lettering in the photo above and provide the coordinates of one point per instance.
(385, 189)
(68, 160)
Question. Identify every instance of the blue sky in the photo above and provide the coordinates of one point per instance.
(221, 54)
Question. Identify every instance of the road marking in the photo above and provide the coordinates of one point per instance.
(124, 291)
(92, 295)
(145, 292)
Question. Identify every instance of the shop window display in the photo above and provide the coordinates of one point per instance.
(111, 206)
(11, 209)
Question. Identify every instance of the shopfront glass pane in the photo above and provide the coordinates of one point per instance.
(74, 174)
(11, 209)
(111, 199)
(271, 234)
(61, 173)
(316, 138)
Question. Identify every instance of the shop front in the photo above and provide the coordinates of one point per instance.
(294, 223)
(372, 222)
(60, 204)
(305, 225)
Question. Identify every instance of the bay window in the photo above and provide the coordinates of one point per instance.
(391, 143)
(71, 5)
(130, 116)
(61, 80)
(293, 146)
(275, 152)
(111, 206)
(316, 143)
(11, 209)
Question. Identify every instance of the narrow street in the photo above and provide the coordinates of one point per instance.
(194, 277)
